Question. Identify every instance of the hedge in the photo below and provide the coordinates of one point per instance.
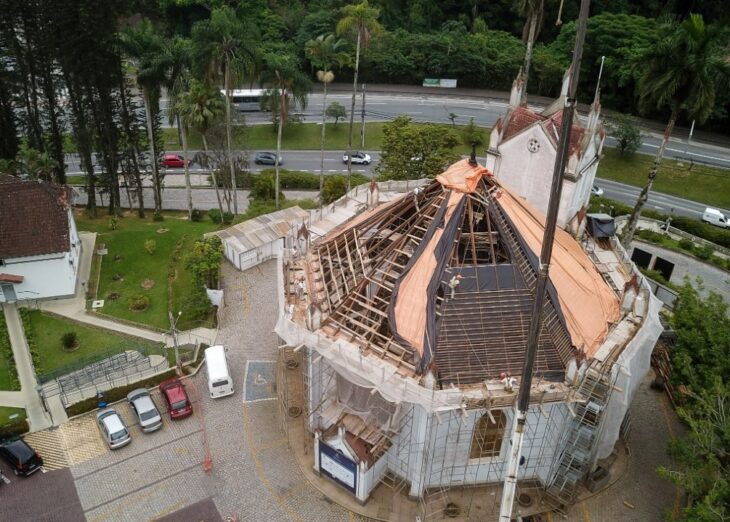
(6, 351)
(14, 429)
(117, 394)
(291, 179)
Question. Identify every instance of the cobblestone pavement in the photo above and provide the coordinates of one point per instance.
(156, 474)
(641, 495)
(255, 476)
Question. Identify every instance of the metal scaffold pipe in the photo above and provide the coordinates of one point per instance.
(561, 159)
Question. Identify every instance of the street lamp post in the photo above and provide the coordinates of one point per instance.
(173, 331)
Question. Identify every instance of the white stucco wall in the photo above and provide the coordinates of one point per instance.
(47, 276)
(529, 174)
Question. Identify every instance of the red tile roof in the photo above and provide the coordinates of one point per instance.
(33, 218)
(522, 117)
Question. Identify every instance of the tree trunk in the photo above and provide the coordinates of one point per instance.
(628, 234)
(352, 112)
(188, 188)
(212, 175)
(528, 56)
(321, 143)
(228, 134)
(278, 146)
(153, 157)
(131, 140)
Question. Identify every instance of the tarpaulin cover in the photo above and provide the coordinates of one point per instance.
(411, 314)
(601, 226)
(462, 176)
(587, 303)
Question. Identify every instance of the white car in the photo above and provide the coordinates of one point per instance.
(596, 190)
(359, 158)
(144, 407)
(113, 429)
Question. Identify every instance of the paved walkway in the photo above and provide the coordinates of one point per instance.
(27, 397)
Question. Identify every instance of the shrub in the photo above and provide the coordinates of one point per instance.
(650, 235)
(704, 252)
(196, 215)
(150, 246)
(215, 215)
(139, 302)
(157, 216)
(686, 244)
(69, 340)
(227, 217)
(626, 132)
(334, 188)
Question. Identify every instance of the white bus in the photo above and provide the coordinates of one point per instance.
(246, 100)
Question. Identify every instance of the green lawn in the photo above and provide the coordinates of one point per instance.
(93, 343)
(134, 264)
(706, 184)
(6, 413)
(302, 136)
(8, 375)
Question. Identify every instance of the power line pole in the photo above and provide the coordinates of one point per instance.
(362, 119)
(561, 159)
(173, 331)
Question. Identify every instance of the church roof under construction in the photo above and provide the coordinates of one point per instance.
(442, 279)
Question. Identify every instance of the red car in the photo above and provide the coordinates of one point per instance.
(176, 398)
(173, 161)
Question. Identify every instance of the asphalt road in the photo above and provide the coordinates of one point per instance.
(429, 108)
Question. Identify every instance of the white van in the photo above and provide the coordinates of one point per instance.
(220, 383)
(715, 217)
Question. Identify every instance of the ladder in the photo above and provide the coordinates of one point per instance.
(577, 453)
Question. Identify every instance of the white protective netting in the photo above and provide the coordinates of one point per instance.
(628, 372)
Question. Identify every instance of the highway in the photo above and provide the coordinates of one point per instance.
(485, 111)
(310, 161)
(429, 108)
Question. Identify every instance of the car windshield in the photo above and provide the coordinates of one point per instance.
(119, 434)
(179, 405)
(147, 415)
(219, 383)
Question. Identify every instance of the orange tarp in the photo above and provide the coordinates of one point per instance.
(411, 306)
(587, 302)
(462, 177)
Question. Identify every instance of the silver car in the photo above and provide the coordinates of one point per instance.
(113, 429)
(144, 407)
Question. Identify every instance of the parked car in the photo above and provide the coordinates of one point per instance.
(22, 458)
(176, 398)
(267, 158)
(596, 190)
(173, 161)
(112, 428)
(144, 407)
(359, 158)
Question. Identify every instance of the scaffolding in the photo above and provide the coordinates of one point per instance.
(354, 378)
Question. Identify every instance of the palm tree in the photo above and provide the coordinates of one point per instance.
(225, 46)
(179, 52)
(683, 71)
(532, 10)
(362, 21)
(145, 49)
(291, 86)
(199, 107)
(325, 52)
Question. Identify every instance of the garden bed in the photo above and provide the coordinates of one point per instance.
(143, 262)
